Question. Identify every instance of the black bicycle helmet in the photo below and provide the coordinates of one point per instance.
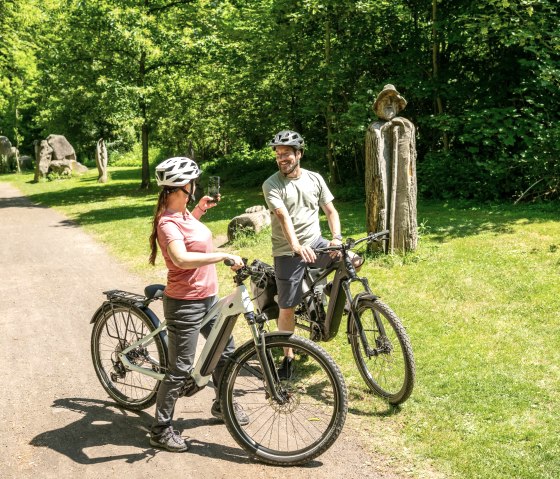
(287, 138)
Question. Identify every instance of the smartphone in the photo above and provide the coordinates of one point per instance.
(214, 187)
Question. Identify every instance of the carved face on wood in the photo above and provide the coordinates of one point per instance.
(388, 103)
(387, 108)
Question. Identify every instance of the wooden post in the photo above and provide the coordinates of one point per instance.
(395, 169)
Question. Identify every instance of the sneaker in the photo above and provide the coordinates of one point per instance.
(285, 371)
(170, 440)
(242, 418)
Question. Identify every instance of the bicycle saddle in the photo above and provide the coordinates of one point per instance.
(154, 291)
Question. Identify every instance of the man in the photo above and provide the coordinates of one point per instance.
(294, 196)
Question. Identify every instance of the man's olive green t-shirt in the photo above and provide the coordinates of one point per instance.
(302, 197)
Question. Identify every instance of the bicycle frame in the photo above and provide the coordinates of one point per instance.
(345, 275)
(226, 310)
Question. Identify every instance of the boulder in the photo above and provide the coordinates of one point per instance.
(78, 168)
(26, 162)
(61, 148)
(56, 154)
(5, 146)
(61, 167)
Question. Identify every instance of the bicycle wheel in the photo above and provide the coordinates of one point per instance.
(311, 415)
(387, 366)
(114, 331)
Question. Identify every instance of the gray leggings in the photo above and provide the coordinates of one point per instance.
(184, 318)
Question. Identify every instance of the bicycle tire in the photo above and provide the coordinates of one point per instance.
(114, 330)
(391, 373)
(307, 424)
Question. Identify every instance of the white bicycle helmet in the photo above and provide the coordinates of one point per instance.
(177, 171)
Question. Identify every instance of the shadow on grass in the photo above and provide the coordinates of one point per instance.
(448, 220)
(442, 221)
(88, 191)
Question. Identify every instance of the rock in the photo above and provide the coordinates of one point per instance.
(56, 154)
(5, 146)
(43, 153)
(26, 162)
(61, 167)
(61, 148)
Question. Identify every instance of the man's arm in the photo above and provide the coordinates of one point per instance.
(333, 219)
(289, 233)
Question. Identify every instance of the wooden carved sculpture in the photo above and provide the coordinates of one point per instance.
(390, 157)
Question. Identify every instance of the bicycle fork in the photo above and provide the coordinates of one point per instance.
(368, 350)
(270, 374)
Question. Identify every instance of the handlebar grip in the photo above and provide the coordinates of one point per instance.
(229, 262)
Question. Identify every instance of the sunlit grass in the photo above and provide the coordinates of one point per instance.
(480, 299)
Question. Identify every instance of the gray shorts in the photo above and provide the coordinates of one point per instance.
(289, 274)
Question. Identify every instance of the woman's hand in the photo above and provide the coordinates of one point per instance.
(237, 261)
(207, 202)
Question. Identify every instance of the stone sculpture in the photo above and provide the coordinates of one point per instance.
(390, 157)
(56, 154)
(101, 160)
(9, 156)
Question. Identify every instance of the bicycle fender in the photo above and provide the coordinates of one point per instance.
(98, 313)
(365, 295)
(278, 333)
(147, 312)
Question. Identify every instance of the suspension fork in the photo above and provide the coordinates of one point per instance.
(270, 375)
(368, 350)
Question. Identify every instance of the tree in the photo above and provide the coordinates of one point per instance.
(115, 55)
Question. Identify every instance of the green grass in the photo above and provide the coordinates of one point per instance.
(480, 299)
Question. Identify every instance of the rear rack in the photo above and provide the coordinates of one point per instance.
(117, 294)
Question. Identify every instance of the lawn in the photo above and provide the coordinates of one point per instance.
(480, 299)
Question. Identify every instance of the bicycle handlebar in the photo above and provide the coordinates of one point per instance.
(351, 243)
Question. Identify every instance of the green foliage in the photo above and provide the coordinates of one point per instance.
(133, 157)
(215, 79)
(248, 168)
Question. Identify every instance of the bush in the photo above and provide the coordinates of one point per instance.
(133, 157)
(247, 168)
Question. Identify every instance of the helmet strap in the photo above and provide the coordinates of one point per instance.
(191, 196)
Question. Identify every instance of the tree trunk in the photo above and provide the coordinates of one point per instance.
(16, 134)
(145, 157)
(435, 70)
(252, 221)
(329, 110)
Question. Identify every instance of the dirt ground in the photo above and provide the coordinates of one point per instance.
(56, 421)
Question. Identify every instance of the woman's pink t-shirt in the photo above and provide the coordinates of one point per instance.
(197, 283)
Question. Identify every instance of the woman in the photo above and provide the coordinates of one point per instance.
(192, 285)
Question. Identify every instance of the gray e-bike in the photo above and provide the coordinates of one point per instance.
(290, 421)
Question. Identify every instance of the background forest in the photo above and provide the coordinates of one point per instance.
(215, 80)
